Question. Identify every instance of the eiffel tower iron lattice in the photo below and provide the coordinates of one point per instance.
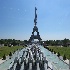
(35, 29)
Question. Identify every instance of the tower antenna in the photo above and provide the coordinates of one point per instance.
(35, 19)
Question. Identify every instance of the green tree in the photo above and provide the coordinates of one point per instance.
(25, 41)
(54, 52)
(58, 54)
(10, 54)
(14, 43)
(2, 41)
(4, 57)
(64, 57)
(65, 41)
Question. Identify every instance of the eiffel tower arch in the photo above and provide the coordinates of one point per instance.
(35, 29)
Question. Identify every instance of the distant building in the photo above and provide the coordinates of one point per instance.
(68, 44)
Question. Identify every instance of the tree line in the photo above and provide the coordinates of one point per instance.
(65, 42)
(8, 42)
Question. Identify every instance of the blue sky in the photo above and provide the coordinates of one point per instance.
(17, 19)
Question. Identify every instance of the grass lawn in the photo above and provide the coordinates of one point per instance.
(61, 50)
(6, 50)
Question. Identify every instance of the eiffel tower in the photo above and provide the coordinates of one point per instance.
(35, 29)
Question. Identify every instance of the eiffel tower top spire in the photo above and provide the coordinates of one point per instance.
(35, 29)
(35, 19)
